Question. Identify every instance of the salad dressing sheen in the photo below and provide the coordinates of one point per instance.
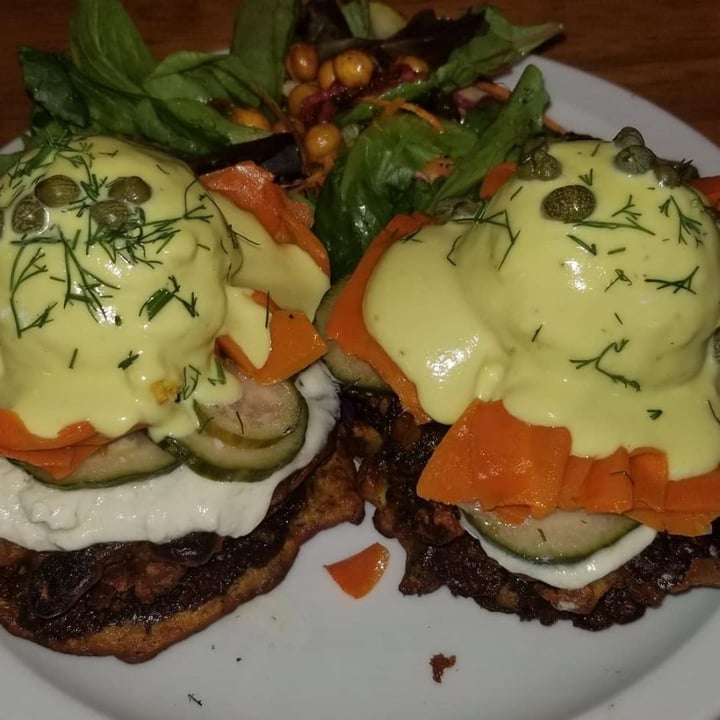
(603, 326)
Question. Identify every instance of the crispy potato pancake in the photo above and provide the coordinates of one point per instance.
(439, 552)
(133, 600)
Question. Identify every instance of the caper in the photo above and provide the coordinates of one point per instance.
(667, 175)
(635, 160)
(29, 215)
(111, 214)
(57, 190)
(131, 189)
(627, 137)
(569, 203)
(535, 163)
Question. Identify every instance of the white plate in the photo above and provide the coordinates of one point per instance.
(306, 651)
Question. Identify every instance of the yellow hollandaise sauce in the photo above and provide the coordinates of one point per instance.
(118, 271)
(587, 301)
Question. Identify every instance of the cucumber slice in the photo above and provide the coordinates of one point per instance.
(560, 538)
(261, 415)
(132, 457)
(349, 370)
(213, 458)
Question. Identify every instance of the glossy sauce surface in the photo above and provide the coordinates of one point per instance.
(602, 325)
(111, 306)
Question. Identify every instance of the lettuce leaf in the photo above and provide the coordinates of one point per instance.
(377, 179)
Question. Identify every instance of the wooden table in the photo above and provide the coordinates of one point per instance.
(666, 51)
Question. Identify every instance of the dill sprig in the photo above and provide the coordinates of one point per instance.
(687, 226)
(160, 298)
(617, 347)
(629, 218)
(677, 285)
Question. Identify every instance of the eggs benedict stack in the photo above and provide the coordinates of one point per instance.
(554, 448)
(166, 435)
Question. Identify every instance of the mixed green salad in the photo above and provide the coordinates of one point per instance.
(362, 112)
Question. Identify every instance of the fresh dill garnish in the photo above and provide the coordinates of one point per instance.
(618, 318)
(449, 256)
(714, 414)
(617, 250)
(537, 332)
(654, 413)
(21, 273)
(193, 699)
(191, 377)
(686, 224)
(73, 359)
(220, 379)
(267, 309)
(587, 178)
(514, 195)
(629, 218)
(677, 285)
(617, 347)
(129, 360)
(160, 298)
(620, 276)
(592, 249)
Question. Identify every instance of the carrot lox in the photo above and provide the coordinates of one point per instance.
(251, 188)
(347, 324)
(503, 464)
(490, 457)
(294, 345)
(710, 187)
(358, 574)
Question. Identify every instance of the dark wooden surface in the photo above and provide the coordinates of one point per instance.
(664, 50)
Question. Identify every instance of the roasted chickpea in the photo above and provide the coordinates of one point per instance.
(250, 117)
(298, 94)
(353, 68)
(302, 62)
(326, 75)
(322, 140)
(416, 64)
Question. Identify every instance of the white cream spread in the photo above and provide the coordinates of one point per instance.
(570, 576)
(41, 517)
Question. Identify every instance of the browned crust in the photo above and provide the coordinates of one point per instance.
(328, 497)
(439, 552)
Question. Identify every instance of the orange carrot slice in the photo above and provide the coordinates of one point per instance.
(252, 188)
(710, 187)
(359, 574)
(495, 178)
(294, 345)
(347, 324)
(15, 435)
(490, 458)
(497, 460)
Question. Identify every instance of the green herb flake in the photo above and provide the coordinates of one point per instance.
(677, 285)
(129, 360)
(594, 362)
(654, 413)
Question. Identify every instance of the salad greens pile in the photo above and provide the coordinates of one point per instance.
(109, 83)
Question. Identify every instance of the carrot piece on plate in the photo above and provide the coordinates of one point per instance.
(358, 574)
